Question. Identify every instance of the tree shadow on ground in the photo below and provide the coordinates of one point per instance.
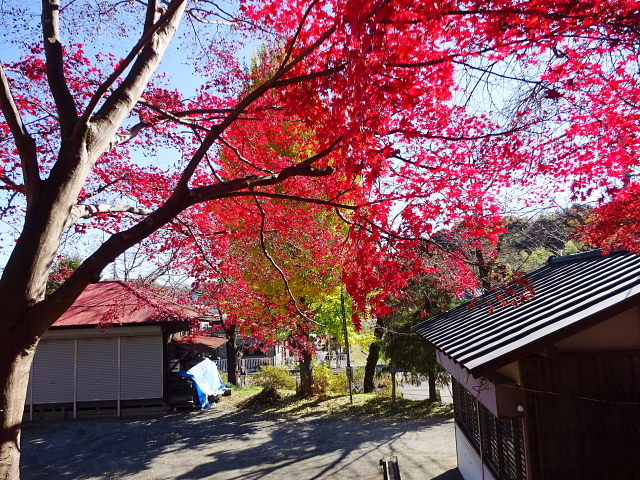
(307, 407)
(198, 445)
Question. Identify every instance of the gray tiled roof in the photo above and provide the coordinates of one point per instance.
(568, 291)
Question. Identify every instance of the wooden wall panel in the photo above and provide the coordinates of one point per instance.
(582, 415)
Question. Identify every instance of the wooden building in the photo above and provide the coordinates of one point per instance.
(111, 352)
(546, 372)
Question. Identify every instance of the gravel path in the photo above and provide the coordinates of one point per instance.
(230, 444)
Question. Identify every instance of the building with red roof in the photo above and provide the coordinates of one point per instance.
(113, 351)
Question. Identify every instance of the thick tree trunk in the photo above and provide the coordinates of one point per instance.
(306, 375)
(234, 355)
(232, 364)
(373, 357)
(393, 382)
(15, 363)
(431, 378)
(370, 367)
(484, 271)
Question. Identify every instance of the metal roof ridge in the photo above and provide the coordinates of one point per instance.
(476, 320)
(532, 336)
(541, 321)
(584, 256)
(558, 306)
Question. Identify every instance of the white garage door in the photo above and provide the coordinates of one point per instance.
(52, 372)
(132, 364)
(141, 367)
(97, 369)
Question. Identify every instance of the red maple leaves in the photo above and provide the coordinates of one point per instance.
(356, 137)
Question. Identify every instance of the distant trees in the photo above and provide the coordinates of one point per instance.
(528, 241)
(398, 345)
(523, 245)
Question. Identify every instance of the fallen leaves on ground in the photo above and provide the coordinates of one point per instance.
(267, 397)
(364, 405)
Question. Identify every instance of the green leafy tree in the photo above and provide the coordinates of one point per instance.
(404, 349)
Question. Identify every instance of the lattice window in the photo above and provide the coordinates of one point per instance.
(466, 413)
(502, 438)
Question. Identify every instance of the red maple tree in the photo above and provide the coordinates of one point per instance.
(359, 110)
(615, 224)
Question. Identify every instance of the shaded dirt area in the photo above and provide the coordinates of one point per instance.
(231, 444)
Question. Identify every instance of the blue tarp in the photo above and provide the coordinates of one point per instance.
(207, 379)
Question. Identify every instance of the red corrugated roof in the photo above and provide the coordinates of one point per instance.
(119, 302)
(195, 341)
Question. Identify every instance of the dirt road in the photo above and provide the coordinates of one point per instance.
(231, 444)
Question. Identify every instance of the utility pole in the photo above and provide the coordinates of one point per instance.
(346, 345)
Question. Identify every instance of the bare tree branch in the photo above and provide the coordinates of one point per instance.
(412, 162)
(201, 19)
(101, 189)
(294, 198)
(147, 53)
(178, 116)
(225, 189)
(460, 138)
(215, 132)
(263, 246)
(297, 34)
(128, 135)
(89, 210)
(5, 210)
(10, 184)
(152, 15)
(240, 157)
(372, 226)
(86, 211)
(182, 113)
(201, 249)
(25, 143)
(311, 76)
(65, 104)
(488, 71)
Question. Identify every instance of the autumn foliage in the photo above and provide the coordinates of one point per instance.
(615, 224)
(332, 156)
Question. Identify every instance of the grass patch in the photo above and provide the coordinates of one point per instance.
(364, 405)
